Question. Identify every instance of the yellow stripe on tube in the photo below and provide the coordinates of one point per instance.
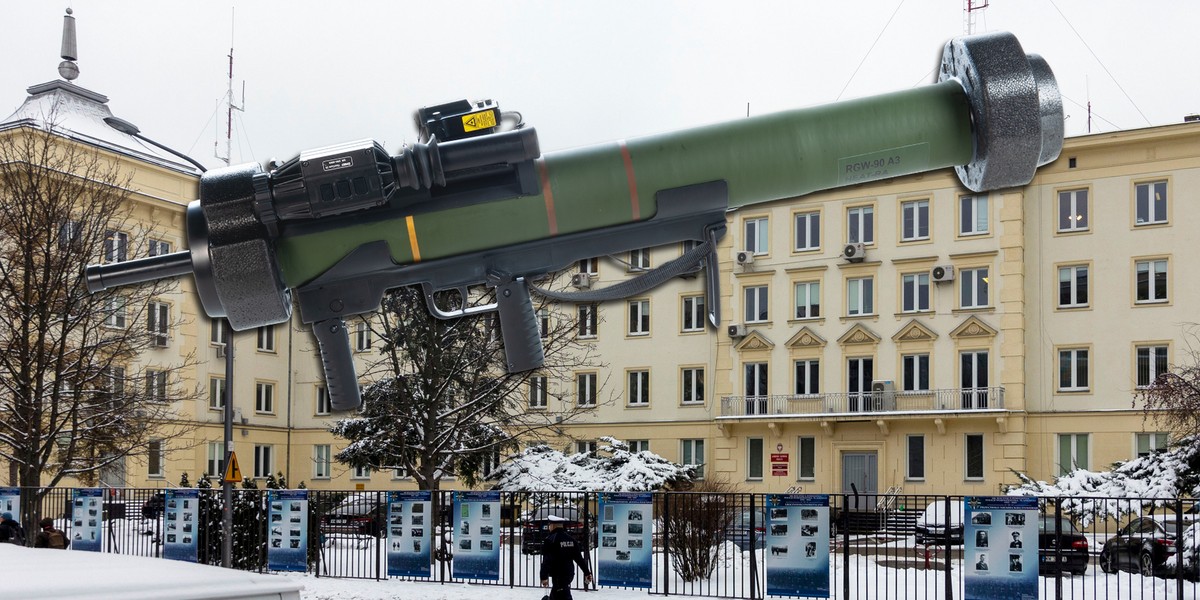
(412, 238)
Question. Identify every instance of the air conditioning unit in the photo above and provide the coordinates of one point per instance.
(854, 252)
(744, 258)
(238, 418)
(942, 273)
(884, 392)
(581, 281)
(737, 331)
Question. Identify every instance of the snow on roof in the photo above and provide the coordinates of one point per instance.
(78, 113)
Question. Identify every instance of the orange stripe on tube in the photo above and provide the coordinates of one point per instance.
(633, 192)
(548, 194)
(412, 238)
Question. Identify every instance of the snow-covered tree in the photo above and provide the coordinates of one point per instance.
(612, 468)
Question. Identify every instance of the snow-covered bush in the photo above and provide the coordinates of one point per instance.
(612, 468)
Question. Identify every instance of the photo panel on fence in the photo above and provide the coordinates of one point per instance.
(287, 530)
(409, 533)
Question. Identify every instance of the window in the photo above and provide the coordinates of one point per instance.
(216, 393)
(1073, 286)
(754, 458)
(543, 317)
(973, 288)
(400, 473)
(1151, 281)
(1073, 210)
(155, 458)
(756, 388)
(916, 372)
(590, 266)
(692, 453)
(1072, 452)
(266, 338)
(585, 447)
(360, 473)
(156, 385)
(914, 220)
(1151, 202)
(639, 317)
(861, 225)
(362, 336)
(808, 231)
(114, 315)
(808, 377)
(587, 320)
(636, 446)
(757, 236)
(1151, 364)
(916, 457)
(1151, 442)
(537, 392)
(693, 313)
(973, 215)
(69, 233)
(639, 260)
(113, 380)
(915, 292)
(974, 458)
(323, 406)
(585, 386)
(1073, 370)
(218, 333)
(693, 385)
(264, 397)
(116, 247)
(756, 304)
(860, 296)
(638, 392)
(491, 460)
(158, 248)
(808, 300)
(860, 372)
(321, 461)
(973, 373)
(806, 458)
(157, 321)
(215, 467)
(263, 461)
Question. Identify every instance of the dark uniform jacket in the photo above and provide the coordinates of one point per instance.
(560, 554)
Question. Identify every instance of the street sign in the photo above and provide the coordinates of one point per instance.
(233, 473)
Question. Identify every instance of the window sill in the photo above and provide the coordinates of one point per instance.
(690, 331)
(1073, 307)
(914, 313)
(1151, 225)
(973, 310)
(321, 478)
(261, 351)
(796, 251)
(632, 335)
(915, 241)
(1064, 232)
(1151, 303)
(646, 405)
(156, 476)
(1073, 392)
(691, 404)
(814, 320)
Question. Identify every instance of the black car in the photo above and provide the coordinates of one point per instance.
(741, 532)
(536, 526)
(358, 514)
(1067, 551)
(931, 526)
(1142, 546)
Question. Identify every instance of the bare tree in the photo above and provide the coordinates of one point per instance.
(1173, 399)
(74, 395)
(443, 404)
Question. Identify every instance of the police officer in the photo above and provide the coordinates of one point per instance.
(560, 554)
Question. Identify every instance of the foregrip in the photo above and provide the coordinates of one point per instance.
(519, 324)
(333, 342)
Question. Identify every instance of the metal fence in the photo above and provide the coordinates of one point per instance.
(704, 544)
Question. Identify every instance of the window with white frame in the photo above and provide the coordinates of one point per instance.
(639, 259)
(1151, 281)
(360, 472)
(218, 332)
(806, 458)
(1148, 443)
(808, 231)
(916, 457)
(914, 224)
(756, 387)
(157, 322)
(69, 233)
(321, 461)
(755, 297)
(587, 320)
(636, 446)
(1151, 364)
(215, 465)
(754, 458)
(264, 397)
(693, 313)
(156, 385)
(639, 317)
(1072, 370)
(637, 393)
(691, 452)
(973, 288)
(808, 377)
(974, 457)
(1073, 210)
(158, 248)
(972, 215)
(860, 296)
(114, 312)
(543, 317)
(1151, 200)
(264, 460)
(757, 235)
(1073, 286)
(860, 373)
(400, 473)
(916, 372)
(112, 380)
(116, 246)
(973, 378)
(362, 336)
(692, 385)
(808, 299)
(537, 391)
(323, 405)
(1073, 452)
(585, 446)
(915, 292)
(860, 223)
(155, 458)
(266, 338)
(590, 266)
(216, 393)
(585, 389)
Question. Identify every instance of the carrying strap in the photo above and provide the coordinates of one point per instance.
(690, 262)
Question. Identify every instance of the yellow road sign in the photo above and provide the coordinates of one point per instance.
(233, 473)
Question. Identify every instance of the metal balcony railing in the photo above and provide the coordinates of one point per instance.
(855, 403)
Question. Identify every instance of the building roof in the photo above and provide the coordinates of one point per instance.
(78, 114)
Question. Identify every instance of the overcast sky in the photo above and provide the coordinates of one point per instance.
(318, 73)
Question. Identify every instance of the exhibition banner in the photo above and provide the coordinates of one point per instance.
(181, 524)
(287, 531)
(409, 533)
(10, 502)
(87, 521)
(626, 551)
(1000, 548)
(476, 523)
(797, 545)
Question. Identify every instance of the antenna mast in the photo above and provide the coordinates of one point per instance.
(970, 10)
(229, 106)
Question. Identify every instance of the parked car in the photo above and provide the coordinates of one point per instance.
(931, 526)
(536, 526)
(1067, 552)
(358, 514)
(739, 530)
(1142, 546)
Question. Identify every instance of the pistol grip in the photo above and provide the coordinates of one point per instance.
(519, 325)
(333, 341)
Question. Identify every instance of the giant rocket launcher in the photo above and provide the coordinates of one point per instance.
(337, 227)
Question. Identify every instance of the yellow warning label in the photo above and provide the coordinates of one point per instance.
(233, 473)
(479, 120)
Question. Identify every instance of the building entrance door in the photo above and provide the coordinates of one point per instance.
(860, 473)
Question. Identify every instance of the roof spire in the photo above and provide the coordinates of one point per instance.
(70, 52)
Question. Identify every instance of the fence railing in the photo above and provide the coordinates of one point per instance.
(857, 403)
(706, 544)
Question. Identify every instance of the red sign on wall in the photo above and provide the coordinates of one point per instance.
(779, 470)
(779, 458)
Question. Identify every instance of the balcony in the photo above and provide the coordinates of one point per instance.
(858, 404)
